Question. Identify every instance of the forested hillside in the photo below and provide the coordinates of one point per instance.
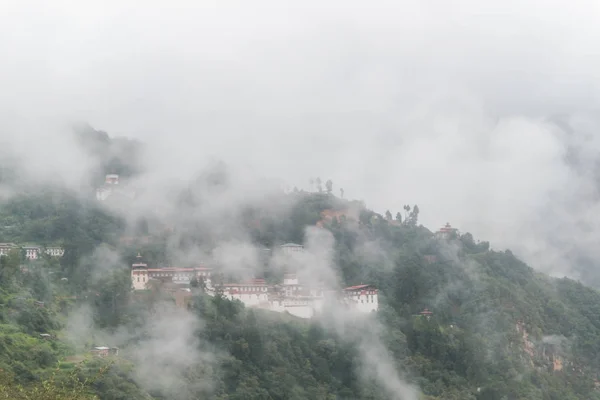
(499, 329)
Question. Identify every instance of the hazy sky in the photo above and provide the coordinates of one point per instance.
(442, 104)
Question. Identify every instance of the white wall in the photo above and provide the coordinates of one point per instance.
(31, 254)
(364, 302)
(290, 281)
(249, 299)
(304, 311)
(143, 279)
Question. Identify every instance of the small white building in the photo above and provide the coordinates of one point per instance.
(55, 251)
(111, 179)
(291, 248)
(446, 232)
(32, 252)
(112, 187)
(6, 248)
(363, 298)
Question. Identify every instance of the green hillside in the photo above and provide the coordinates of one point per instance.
(499, 329)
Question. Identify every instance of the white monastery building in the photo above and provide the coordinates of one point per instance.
(293, 297)
(253, 293)
(141, 274)
(363, 297)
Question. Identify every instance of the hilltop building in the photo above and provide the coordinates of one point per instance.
(111, 179)
(426, 313)
(446, 232)
(112, 186)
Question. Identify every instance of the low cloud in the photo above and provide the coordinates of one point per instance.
(483, 118)
(169, 353)
(374, 363)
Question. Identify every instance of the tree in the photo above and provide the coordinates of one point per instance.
(342, 193)
(51, 388)
(413, 217)
(388, 215)
(406, 211)
(9, 266)
(318, 182)
(398, 217)
(329, 186)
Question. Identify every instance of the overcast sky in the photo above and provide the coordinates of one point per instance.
(445, 104)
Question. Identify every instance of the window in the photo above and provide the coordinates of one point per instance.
(138, 278)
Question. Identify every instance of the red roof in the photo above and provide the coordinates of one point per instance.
(244, 284)
(237, 291)
(447, 228)
(176, 269)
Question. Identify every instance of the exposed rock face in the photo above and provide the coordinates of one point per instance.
(557, 364)
(528, 346)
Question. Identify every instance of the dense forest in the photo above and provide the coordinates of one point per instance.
(499, 329)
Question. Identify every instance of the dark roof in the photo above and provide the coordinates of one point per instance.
(357, 287)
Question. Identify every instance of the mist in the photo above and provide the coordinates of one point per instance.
(316, 267)
(482, 114)
(474, 112)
